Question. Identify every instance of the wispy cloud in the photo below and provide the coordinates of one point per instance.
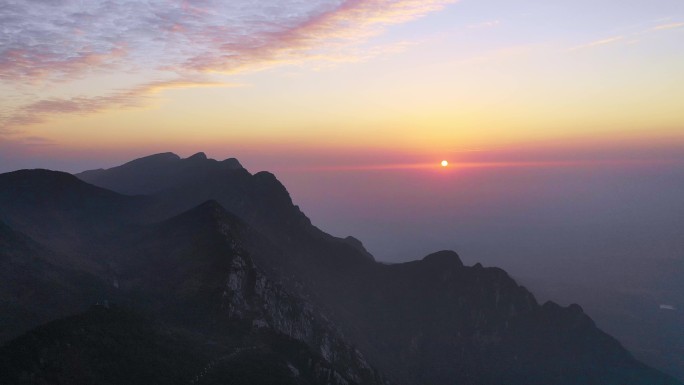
(42, 110)
(61, 39)
(21, 64)
(668, 26)
(597, 43)
(634, 37)
(327, 34)
(37, 141)
(52, 42)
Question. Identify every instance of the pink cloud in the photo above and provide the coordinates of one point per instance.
(42, 110)
(353, 21)
(51, 42)
(34, 65)
(54, 42)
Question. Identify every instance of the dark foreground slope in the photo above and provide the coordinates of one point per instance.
(101, 345)
(38, 285)
(221, 258)
(114, 345)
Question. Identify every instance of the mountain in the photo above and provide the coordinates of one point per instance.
(38, 285)
(438, 321)
(58, 209)
(193, 269)
(259, 199)
(101, 345)
(191, 272)
(214, 260)
(115, 345)
(156, 173)
(633, 315)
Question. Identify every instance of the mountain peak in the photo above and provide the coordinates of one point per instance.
(38, 174)
(155, 173)
(209, 208)
(208, 213)
(358, 245)
(41, 186)
(444, 257)
(232, 163)
(160, 158)
(198, 156)
(210, 204)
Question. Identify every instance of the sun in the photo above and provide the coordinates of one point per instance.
(444, 163)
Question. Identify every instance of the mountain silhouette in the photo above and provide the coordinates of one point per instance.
(210, 259)
(58, 209)
(155, 173)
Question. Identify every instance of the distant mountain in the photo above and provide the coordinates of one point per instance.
(437, 321)
(58, 209)
(634, 316)
(221, 263)
(178, 185)
(155, 173)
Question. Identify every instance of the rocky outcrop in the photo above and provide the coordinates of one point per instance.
(250, 294)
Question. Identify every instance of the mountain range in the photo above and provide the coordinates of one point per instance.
(195, 271)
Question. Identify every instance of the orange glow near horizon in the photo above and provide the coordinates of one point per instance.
(359, 87)
(480, 165)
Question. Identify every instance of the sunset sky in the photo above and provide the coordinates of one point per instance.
(309, 81)
(309, 89)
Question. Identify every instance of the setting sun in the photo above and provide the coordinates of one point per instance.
(445, 163)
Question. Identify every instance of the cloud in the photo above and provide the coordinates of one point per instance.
(42, 110)
(62, 39)
(50, 42)
(668, 26)
(34, 66)
(629, 38)
(38, 141)
(597, 43)
(319, 36)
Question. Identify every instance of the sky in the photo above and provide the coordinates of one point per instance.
(549, 112)
(299, 83)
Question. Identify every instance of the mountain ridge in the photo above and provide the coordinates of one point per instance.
(235, 250)
(154, 168)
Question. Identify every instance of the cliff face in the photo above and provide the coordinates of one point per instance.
(209, 268)
(250, 295)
